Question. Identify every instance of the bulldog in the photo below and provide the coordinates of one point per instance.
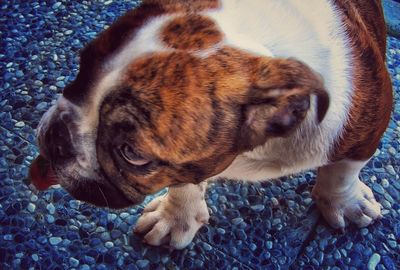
(176, 93)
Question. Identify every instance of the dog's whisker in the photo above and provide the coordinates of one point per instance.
(105, 199)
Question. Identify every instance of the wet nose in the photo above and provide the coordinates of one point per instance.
(59, 142)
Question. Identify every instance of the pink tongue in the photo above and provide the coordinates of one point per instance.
(41, 174)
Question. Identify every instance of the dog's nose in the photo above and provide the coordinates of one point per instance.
(59, 142)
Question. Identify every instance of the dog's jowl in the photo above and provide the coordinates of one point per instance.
(175, 94)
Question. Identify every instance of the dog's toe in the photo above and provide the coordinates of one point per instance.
(358, 206)
(163, 222)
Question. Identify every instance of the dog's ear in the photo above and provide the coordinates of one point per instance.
(279, 99)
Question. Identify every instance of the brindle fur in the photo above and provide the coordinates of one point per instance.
(372, 98)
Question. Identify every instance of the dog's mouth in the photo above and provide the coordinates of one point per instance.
(41, 175)
(103, 194)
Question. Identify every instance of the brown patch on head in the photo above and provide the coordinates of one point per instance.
(191, 32)
(111, 40)
(107, 43)
(185, 5)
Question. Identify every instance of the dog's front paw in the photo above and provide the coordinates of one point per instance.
(356, 203)
(166, 221)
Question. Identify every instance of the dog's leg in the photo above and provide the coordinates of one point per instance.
(339, 193)
(176, 217)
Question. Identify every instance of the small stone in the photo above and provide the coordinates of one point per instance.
(73, 262)
(38, 83)
(50, 207)
(41, 106)
(105, 236)
(337, 255)
(390, 170)
(124, 215)
(109, 244)
(100, 229)
(269, 244)
(115, 234)
(385, 183)
(207, 247)
(60, 84)
(56, 5)
(307, 201)
(378, 188)
(31, 207)
(35, 257)
(364, 231)
(220, 231)
(20, 124)
(111, 217)
(237, 221)
(19, 73)
(142, 263)
(373, 261)
(84, 267)
(392, 244)
(258, 207)
(50, 219)
(274, 201)
(392, 150)
(74, 204)
(55, 240)
(68, 32)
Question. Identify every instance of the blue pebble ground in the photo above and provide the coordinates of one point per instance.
(272, 225)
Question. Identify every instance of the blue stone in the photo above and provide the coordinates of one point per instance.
(60, 84)
(378, 188)
(115, 234)
(50, 207)
(95, 242)
(56, 5)
(207, 247)
(84, 267)
(55, 240)
(35, 257)
(258, 207)
(41, 106)
(142, 263)
(105, 236)
(237, 221)
(73, 262)
(373, 261)
(19, 73)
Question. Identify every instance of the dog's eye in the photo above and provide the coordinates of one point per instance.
(131, 157)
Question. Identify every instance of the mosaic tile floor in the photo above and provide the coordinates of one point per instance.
(272, 225)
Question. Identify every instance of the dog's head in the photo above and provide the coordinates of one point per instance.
(161, 98)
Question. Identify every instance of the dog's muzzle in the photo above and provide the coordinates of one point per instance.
(60, 162)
